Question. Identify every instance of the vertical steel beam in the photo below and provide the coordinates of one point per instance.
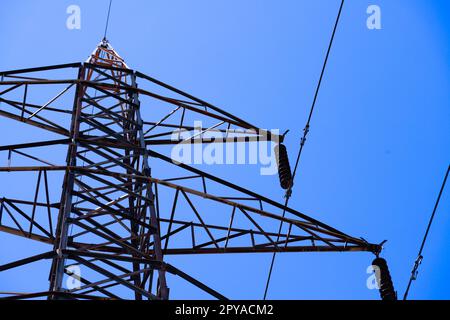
(62, 228)
(163, 289)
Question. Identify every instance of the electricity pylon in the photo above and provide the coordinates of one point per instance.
(115, 218)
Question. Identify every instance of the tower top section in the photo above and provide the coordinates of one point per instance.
(105, 55)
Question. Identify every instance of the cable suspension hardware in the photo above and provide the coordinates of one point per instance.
(284, 163)
(419, 258)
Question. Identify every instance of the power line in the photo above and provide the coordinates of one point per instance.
(303, 140)
(107, 19)
(419, 256)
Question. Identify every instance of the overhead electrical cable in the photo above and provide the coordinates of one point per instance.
(419, 256)
(107, 19)
(303, 140)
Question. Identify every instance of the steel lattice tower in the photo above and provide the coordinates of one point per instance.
(114, 217)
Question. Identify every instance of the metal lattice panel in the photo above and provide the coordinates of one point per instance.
(116, 217)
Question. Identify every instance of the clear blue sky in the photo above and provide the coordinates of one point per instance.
(380, 138)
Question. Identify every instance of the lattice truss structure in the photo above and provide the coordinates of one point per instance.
(114, 217)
